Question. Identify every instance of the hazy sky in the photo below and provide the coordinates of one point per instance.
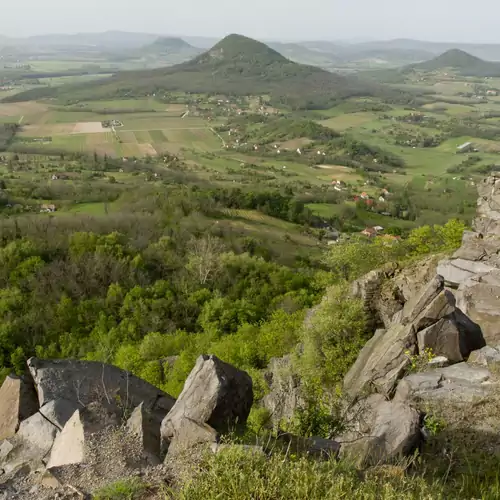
(440, 20)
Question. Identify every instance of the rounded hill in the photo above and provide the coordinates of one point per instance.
(237, 65)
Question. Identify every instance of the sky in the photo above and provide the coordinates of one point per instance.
(436, 20)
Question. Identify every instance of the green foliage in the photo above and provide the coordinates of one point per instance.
(333, 338)
(427, 239)
(126, 489)
(420, 361)
(238, 475)
(434, 424)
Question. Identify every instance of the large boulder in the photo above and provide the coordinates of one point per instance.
(454, 336)
(18, 401)
(84, 382)
(393, 432)
(215, 393)
(457, 271)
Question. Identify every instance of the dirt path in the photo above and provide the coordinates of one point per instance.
(219, 136)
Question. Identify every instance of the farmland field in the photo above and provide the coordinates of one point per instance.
(141, 134)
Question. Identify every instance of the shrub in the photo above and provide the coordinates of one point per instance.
(126, 489)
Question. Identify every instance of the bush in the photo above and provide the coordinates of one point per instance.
(333, 338)
(126, 489)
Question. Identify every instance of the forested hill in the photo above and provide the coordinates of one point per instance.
(461, 61)
(237, 65)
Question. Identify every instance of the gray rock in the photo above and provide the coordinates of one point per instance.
(442, 305)
(285, 396)
(463, 372)
(417, 306)
(189, 434)
(5, 448)
(69, 446)
(418, 385)
(457, 271)
(59, 411)
(18, 401)
(215, 393)
(486, 356)
(479, 299)
(31, 444)
(146, 428)
(395, 433)
(382, 361)
(37, 432)
(443, 338)
(457, 384)
(84, 382)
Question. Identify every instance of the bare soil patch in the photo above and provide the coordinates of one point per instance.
(88, 128)
(147, 149)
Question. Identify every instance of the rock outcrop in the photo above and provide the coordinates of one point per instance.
(83, 382)
(74, 423)
(429, 320)
(474, 269)
(454, 316)
(215, 393)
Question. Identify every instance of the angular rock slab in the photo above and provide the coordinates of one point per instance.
(215, 393)
(456, 384)
(69, 447)
(146, 428)
(457, 271)
(382, 361)
(85, 382)
(18, 401)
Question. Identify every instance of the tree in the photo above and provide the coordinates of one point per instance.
(204, 262)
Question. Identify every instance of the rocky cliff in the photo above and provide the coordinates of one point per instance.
(438, 349)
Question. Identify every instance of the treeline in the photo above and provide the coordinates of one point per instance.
(7, 134)
(73, 287)
(273, 203)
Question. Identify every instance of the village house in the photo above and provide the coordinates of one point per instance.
(369, 232)
(364, 196)
(47, 208)
(465, 147)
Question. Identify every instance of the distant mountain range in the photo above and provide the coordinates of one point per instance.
(325, 54)
(237, 65)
